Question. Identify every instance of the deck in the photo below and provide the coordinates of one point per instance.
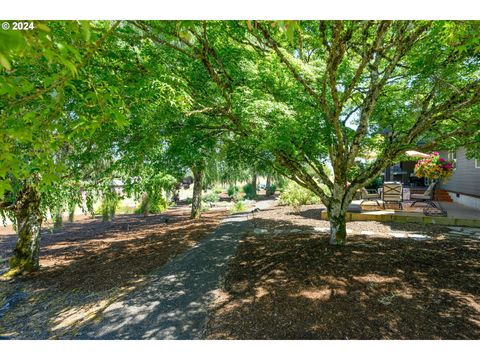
(458, 215)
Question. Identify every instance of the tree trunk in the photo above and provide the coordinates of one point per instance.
(58, 220)
(71, 214)
(254, 184)
(198, 175)
(338, 226)
(29, 221)
(146, 204)
(337, 213)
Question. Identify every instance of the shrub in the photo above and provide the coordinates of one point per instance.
(270, 190)
(152, 204)
(239, 206)
(159, 205)
(109, 205)
(376, 183)
(218, 190)
(232, 190)
(188, 200)
(238, 196)
(295, 196)
(249, 191)
(211, 197)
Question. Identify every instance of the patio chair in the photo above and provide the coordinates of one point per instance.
(370, 195)
(426, 197)
(392, 193)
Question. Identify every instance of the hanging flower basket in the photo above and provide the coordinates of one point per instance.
(434, 167)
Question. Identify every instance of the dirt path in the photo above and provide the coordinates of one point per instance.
(173, 303)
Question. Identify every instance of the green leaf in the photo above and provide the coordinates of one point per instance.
(5, 63)
(86, 30)
(42, 27)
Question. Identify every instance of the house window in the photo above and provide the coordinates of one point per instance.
(452, 155)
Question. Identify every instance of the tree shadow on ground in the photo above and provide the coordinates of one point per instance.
(296, 286)
(85, 264)
(312, 213)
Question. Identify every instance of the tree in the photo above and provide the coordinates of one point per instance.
(317, 92)
(42, 83)
(419, 80)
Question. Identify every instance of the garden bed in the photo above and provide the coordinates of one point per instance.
(88, 264)
(296, 286)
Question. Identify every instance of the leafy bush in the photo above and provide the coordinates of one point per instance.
(152, 204)
(232, 190)
(250, 192)
(238, 196)
(270, 190)
(218, 190)
(295, 196)
(159, 205)
(376, 183)
(107, 209)
(188, 200)
(211, 197)
(239, 206)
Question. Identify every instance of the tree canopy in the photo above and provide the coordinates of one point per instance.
(86, 102)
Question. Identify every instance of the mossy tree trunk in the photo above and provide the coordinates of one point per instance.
(71, 213)
(338, 226)
(58, 219)
(29, 221)
(198, 175)
(337, 214)
(254, 184)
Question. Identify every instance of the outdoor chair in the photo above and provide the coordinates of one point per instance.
(392, 193)
(370, 195)
(426, 197)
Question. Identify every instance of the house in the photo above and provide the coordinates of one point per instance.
(464, 185)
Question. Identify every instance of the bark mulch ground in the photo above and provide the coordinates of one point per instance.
(89, 264)
(296, 286)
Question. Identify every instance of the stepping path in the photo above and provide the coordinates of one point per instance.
(473, 233)
(174, 302)
(463, 231)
